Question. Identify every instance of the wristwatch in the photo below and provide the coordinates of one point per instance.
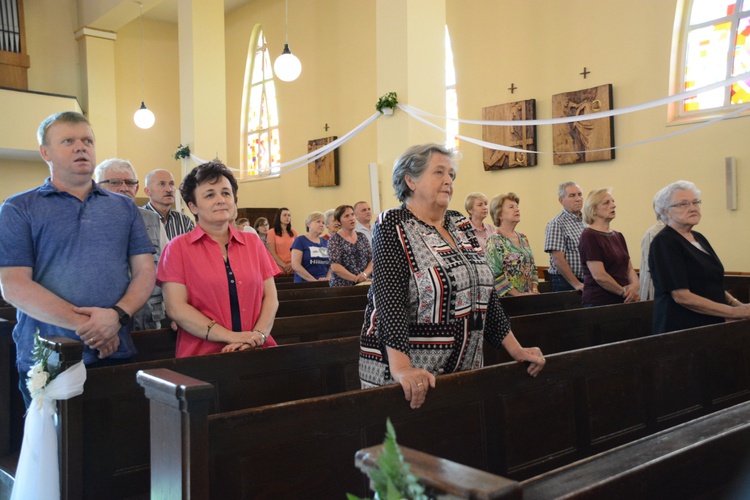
(124, 317)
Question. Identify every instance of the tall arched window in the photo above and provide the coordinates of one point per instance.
(451, 99)
(260, 151)
(714, 45)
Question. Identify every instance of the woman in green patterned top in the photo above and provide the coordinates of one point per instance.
(508, 251)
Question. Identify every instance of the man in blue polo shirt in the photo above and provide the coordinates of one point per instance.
(68, 250)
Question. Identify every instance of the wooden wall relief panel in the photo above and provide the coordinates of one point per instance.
(522, 137)
(574, 142)
(324, 171)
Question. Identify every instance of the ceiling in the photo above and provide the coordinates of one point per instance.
(166, 11)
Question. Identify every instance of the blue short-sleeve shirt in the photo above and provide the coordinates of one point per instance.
(78, 250)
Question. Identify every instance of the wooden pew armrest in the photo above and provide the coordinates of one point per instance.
(446, 476)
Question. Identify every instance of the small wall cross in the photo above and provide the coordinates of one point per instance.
(585, 72)
(326, 127)
(512, 88)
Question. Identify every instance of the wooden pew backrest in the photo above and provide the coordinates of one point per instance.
(496, 419)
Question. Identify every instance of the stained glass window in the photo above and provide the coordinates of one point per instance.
(717, 47)
(260, 148)
(451, 99)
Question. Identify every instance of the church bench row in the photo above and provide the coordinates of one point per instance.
(495, 419)
(160, 344)
(113, 400)
(314, 293)
(156, 345)
(554, 333)
(702, 458)
(304, 307)
(513, 306)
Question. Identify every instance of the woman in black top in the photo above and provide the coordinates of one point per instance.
(688, 275)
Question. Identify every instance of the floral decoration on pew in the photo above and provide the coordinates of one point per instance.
(41, 373)
(182, 152)
(391, 480)
(39, 458)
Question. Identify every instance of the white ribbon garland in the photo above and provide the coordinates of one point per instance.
(309, 157)
(38, 471)
(420, 115)
(593, 116)
(491, 145)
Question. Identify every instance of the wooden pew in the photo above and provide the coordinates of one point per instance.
(8, 313)
(304, 307)
(496, 419)
(290, 285)
(555, 332)
(118, 400)
(113, 464)
(315, 293)
(698, 459)
(544, 302)
(702, 458)
(738, 286)
(443, 477)
(572, 329)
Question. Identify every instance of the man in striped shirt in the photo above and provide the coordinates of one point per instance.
(160, 189)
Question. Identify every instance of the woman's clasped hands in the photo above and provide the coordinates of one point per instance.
(255, 338)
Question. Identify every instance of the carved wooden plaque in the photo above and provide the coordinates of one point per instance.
(325, 170)
(522, 137)
(574, 142)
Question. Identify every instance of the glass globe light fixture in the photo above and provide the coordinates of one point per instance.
(287, 66)
(144, 117)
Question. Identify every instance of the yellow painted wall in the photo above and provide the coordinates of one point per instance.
(540, 46)
(53, 50)
(153, 148)
(335, 43)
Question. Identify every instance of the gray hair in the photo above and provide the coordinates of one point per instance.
(329, 214)
(115, 166)
(413, 163)
(150, 174)
(562, 187)
(64, 117)
(662, 199)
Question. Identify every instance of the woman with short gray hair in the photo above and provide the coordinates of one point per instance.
(432, 301)
(687, 274)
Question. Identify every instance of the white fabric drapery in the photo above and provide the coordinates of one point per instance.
(38, 472)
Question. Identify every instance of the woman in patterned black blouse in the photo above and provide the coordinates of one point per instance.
(432, 300)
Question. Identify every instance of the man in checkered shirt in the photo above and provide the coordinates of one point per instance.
(561, 240)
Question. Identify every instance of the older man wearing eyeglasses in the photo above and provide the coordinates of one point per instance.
(119, 176)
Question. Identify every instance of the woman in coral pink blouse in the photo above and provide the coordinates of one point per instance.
(217, 281)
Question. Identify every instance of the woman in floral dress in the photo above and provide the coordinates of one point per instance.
(508, 251)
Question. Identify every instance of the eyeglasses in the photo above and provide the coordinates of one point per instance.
(685, 204)
(118, 182)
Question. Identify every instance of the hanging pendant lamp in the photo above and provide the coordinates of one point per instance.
(287, 66)
(144, 118)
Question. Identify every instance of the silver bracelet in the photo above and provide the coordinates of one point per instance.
(262, 334)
